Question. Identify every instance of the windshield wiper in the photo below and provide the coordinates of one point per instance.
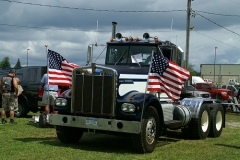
(121, 57)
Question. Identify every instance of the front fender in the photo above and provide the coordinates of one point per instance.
(137, 98)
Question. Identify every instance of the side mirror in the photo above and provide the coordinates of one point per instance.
(89, 54)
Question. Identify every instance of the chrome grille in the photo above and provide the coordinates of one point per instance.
(94, 94)
(205, 96)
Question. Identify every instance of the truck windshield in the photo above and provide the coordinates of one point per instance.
(139, 54)
(129, 54)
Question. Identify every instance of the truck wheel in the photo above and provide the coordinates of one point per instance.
(216, 121)
(146, 140)
(200, 126)
(22, 110)
(69, 134)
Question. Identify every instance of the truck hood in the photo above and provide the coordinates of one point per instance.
(222, 90)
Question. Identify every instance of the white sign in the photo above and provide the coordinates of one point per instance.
(136, 58)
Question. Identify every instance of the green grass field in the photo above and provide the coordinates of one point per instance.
(27, 141)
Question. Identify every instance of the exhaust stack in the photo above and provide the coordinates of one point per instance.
(114, 25)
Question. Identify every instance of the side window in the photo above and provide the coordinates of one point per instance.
(32, 75)
(199, 86)
(205, 86)
(224, 86)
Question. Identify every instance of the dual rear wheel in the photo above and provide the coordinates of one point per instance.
(208, 123)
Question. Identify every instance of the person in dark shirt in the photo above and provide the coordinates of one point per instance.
(9, 91)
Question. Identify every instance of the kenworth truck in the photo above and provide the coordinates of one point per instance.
(112, 99)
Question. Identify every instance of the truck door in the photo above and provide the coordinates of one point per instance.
(207, 88)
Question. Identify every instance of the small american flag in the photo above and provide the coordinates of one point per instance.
(59, 69)
(166, 76)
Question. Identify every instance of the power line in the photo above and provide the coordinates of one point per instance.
(235, 2)
(34, 27)
(106, 10)
(216, 40)
(218, 14)
(89, 9)
(217, 24)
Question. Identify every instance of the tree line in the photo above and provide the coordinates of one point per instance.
(5, 63)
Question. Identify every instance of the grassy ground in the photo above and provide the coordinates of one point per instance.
(28, 141)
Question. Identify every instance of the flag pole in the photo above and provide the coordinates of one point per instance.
(147, 83)
(47, 73)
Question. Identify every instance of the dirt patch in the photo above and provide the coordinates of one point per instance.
(233, 124)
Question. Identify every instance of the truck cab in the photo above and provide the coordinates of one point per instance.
(112, 98)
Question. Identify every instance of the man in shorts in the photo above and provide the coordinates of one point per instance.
(9, 91)
(49, 95)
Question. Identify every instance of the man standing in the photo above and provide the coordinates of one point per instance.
(9, 91)
(49, 95)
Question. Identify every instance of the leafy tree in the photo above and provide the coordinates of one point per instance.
(5, 63)
(18, 64)
(192, 71)
(190, 68)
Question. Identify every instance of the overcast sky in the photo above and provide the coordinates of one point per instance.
(69, 26)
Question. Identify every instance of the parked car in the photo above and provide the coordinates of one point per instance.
(215, 91)
(197, 93)
(30, 80)
(232, 88)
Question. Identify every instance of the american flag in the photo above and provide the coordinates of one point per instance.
(59, 69)
(166, 76)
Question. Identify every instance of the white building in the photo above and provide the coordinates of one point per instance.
(220, 73)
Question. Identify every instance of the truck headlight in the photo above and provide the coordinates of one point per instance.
(198, 95)
(224, 93)
(127, 107)
(60, 102)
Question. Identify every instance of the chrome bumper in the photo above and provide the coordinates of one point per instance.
(95, 123)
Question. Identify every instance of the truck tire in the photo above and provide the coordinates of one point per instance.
(216, 124)
(146, 140)
(200, 126)
(69, 134)
(22, 110)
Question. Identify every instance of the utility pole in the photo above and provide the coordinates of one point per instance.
(214, 64)
(27, 56)
(187, 39)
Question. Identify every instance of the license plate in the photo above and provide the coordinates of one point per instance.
(92, 121)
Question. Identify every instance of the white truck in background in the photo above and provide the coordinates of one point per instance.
(196, 79)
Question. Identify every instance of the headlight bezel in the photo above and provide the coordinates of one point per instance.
(128, 107)
(61, 102)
